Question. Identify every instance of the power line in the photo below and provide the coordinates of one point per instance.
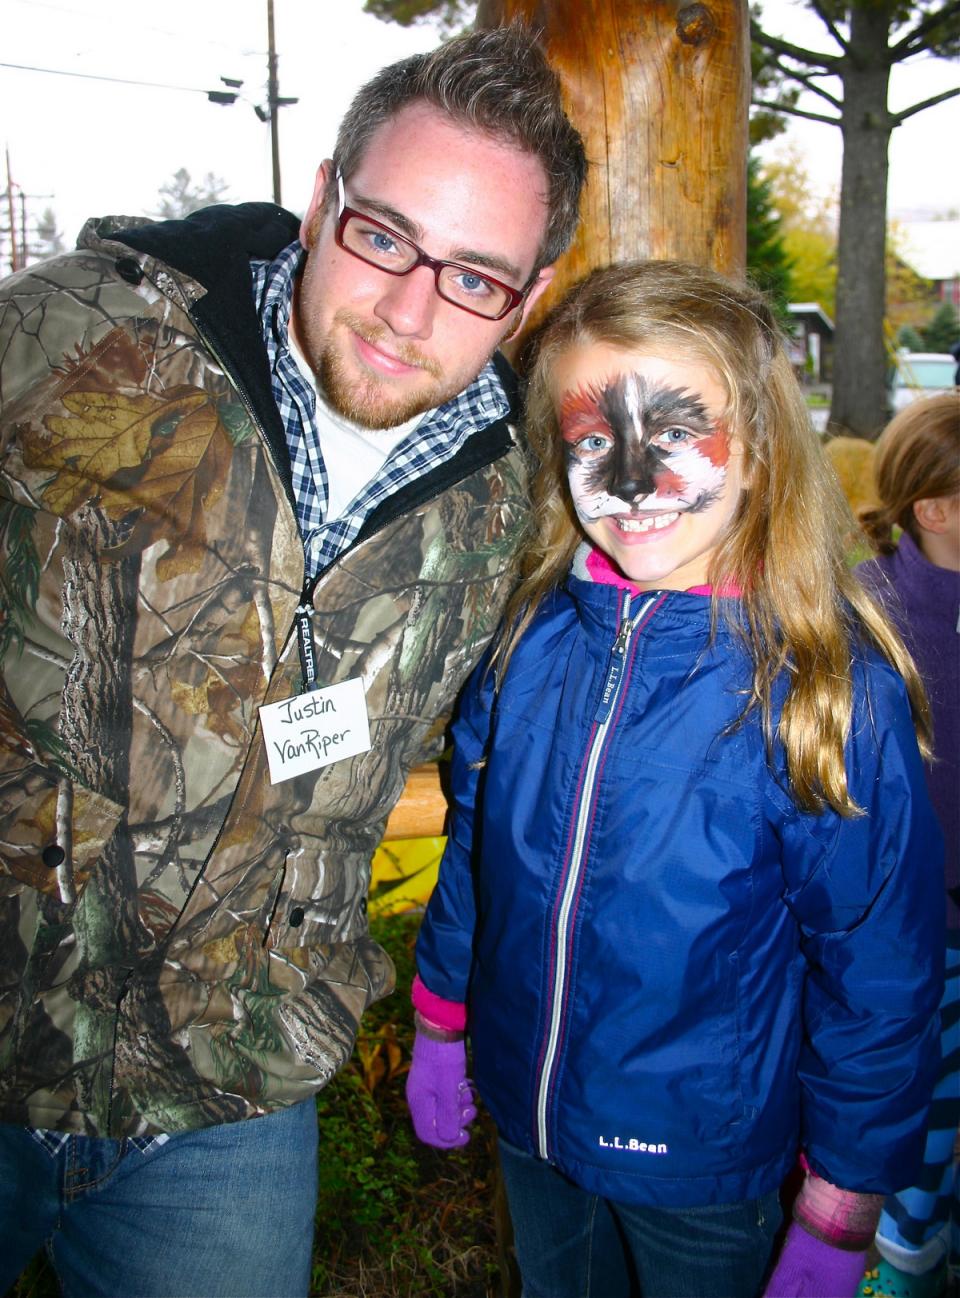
(90, 76)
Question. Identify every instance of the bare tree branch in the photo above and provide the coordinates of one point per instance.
(828, 22)
(831, 62)
(45, 655)
(168, 852)
(913, 41)
(806, 80)
(776, 107)
(926, 103)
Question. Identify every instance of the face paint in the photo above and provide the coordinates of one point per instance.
(653, 474)
(637, 447)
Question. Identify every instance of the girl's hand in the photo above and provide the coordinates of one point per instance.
(809, 1268)
(439, 1094)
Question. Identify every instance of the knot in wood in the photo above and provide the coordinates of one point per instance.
(696, 24)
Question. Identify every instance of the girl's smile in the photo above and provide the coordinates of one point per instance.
(648, 523)
(655, 475)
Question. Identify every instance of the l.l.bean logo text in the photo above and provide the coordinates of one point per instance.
(632, 1145)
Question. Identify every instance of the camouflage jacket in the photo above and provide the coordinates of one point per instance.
(183, 942)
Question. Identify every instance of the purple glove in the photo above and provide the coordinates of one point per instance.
(439, 1095)
(808, 1268)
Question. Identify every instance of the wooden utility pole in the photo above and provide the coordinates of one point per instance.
(659, 90)
(273, 97)
(275, 101)
(15, 256)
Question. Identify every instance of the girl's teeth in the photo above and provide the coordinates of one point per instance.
(646, 524)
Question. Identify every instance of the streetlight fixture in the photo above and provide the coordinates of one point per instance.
(274, 101)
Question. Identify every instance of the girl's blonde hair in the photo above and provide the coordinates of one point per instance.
(917, 458)
(785, 549)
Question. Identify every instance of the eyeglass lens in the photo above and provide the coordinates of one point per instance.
(391, 252)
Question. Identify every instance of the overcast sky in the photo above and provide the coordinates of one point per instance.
(88, 147)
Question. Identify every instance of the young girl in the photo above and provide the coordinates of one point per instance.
(917, 472)
(690, 908)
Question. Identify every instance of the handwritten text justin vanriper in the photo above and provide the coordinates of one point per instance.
(312, 730)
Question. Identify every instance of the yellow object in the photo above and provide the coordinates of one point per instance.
(404, 874)
(852, 461)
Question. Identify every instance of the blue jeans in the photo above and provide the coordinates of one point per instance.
(573, 1244)
(224, 1212)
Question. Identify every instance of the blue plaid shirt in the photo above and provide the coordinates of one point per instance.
(437, 437)
(53, 1142)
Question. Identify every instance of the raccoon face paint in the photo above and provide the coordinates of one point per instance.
(634, 445)
(654, 473)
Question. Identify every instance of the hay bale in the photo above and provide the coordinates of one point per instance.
(852, 461)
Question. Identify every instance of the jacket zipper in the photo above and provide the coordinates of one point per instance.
(613, 684)
(301, 624)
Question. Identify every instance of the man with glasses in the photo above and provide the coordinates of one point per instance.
(260, 494)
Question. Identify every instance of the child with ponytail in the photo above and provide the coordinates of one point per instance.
(916, 575)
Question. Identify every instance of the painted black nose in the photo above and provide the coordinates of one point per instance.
(630, 486)
(634, 471)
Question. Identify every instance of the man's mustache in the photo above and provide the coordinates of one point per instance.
(379, 336)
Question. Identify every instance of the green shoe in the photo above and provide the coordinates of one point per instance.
(885, 1281)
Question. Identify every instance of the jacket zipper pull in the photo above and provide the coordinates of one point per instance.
(615, 669)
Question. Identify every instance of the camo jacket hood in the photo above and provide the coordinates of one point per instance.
(183, 942)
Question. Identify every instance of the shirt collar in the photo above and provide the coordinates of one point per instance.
(274, 283)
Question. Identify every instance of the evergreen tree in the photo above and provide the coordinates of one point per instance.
(451, 15)
(49, 239)
(768, 262)
(180, 196)
(909, 339)
(942, 331)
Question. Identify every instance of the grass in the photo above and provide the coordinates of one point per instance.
(395, 1219)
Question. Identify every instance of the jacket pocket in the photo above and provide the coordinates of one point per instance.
(52, 828)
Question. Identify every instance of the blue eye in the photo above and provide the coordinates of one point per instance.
(594, 443)
(382, 242)
(472, 284)
(675, 436)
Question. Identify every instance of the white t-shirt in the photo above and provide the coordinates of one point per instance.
(352, 456)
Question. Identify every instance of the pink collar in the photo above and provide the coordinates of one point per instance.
(606, 573)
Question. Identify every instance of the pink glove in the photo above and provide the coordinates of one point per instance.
(808, 1268)
(439, 1095)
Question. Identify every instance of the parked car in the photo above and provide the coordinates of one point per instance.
(921, 374)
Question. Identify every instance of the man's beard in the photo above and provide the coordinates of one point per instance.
(367, 400)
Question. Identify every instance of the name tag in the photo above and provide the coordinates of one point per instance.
(315, 729)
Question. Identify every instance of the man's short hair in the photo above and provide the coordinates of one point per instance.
(495, 80)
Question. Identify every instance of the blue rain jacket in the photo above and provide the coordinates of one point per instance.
(674, 977)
